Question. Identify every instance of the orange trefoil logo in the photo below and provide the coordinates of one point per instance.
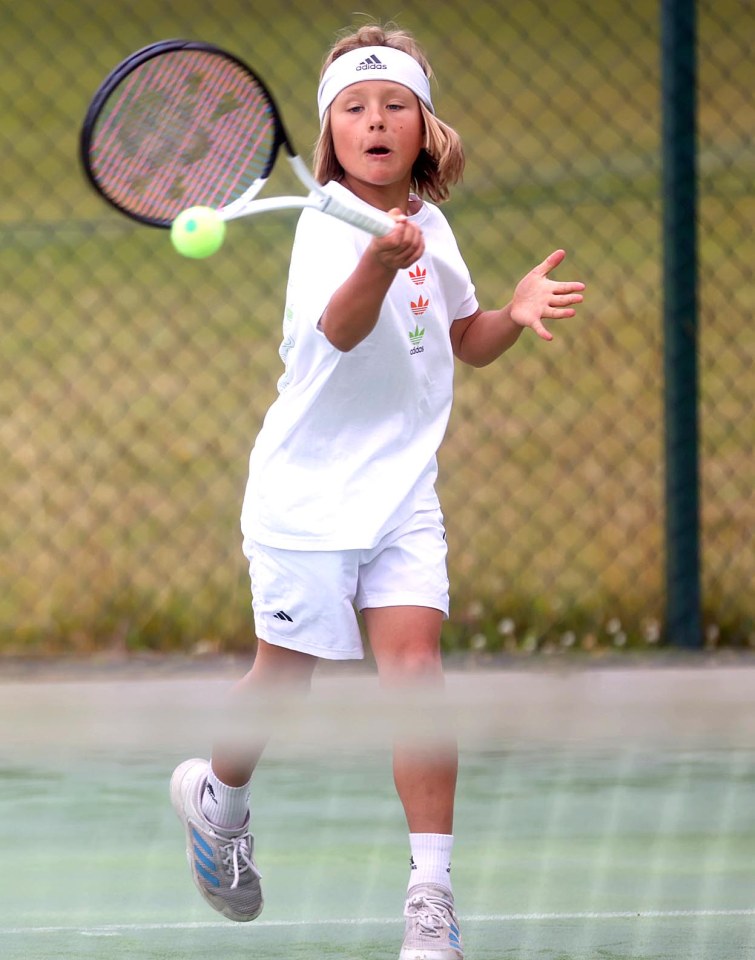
(420, 306)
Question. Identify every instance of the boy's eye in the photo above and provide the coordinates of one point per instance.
(358, 107)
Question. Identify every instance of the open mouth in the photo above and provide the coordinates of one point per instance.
(378, 151)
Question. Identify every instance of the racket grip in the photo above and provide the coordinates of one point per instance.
(378, 224)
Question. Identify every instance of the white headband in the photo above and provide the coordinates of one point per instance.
(372, 63)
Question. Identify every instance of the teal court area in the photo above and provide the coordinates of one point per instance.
(602, 814)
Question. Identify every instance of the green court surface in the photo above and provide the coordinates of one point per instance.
(601, 814)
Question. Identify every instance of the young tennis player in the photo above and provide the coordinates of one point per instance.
(341, 512)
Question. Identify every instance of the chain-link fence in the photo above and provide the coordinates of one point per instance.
(133, 381)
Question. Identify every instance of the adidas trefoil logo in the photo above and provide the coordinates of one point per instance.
(416, 336)
(420, 306)
(372, 63)
(418, 276)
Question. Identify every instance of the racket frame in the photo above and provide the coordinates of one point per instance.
(375, 221)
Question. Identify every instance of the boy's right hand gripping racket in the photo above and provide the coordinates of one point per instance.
(180, 124)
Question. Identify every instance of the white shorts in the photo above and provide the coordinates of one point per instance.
(306, 600)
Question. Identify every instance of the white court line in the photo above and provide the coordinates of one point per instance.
(116, 928)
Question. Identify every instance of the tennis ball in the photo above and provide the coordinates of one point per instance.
(198, 232)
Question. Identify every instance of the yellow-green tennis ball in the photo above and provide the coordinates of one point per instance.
(198, 232)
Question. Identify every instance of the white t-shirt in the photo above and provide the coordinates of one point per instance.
(347, 451)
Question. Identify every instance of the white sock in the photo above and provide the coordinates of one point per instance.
(431, 858)
(225, 807)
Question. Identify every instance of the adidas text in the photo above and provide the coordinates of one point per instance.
(416, 350)
(371, 63)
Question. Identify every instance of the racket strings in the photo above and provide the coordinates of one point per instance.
(150, 123)
(187, 127)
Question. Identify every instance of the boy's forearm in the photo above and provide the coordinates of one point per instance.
(490, 334)
(354, 308)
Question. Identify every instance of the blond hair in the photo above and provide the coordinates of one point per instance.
(440, 163)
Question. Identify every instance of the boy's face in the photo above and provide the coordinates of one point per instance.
(378, 132)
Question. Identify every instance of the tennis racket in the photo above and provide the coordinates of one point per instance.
(182, 123)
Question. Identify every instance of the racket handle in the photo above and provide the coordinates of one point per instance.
(378, 224)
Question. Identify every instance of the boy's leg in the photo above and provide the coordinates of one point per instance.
(276, 670)
(406, 644)
(219, 845)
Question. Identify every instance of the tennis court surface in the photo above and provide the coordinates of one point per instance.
(602, 813)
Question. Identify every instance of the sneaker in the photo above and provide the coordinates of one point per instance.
(222, 861)
(432, 929)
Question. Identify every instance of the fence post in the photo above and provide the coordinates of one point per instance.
(680, 316)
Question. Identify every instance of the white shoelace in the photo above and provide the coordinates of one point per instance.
(431, 913)
(237, 859)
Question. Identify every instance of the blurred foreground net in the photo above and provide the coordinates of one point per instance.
(599, 813)
(493, 710)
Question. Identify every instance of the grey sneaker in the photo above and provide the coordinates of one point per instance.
(432, 929)
(222, 861)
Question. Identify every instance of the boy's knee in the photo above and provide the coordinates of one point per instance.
(413, 664)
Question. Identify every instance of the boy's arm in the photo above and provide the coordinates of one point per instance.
(483, 337)
(354, 308)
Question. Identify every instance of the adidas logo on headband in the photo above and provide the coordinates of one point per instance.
(371, 63)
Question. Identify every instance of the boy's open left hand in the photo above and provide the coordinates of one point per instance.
(536, 298)
(402, 247)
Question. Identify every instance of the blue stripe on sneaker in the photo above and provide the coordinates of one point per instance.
(203, 859)
(209, 877)
(198, 838)
(453, 936)
(200, 857)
